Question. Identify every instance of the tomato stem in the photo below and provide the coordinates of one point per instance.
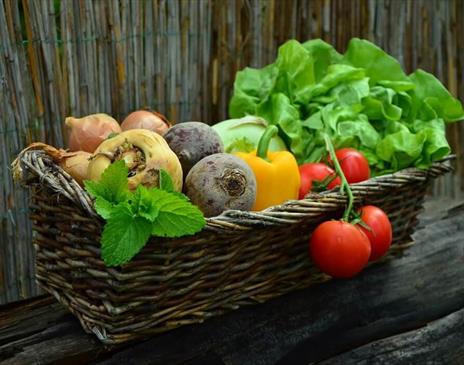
(344, 185)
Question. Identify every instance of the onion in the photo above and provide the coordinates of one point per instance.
(74, 163)
(146, 119)
(88, 132)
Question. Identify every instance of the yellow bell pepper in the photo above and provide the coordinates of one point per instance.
(277, 174)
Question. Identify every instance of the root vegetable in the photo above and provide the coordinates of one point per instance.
(144, 152)
(192, 141)
(145, 119)
(85, 134)
(74, 163)
(242, 135)
(219, 182)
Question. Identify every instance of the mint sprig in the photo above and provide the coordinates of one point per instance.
(113, 186)
(132, 217)
(165, 181)
(124, 235)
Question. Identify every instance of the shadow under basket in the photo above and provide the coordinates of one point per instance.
(239, 258)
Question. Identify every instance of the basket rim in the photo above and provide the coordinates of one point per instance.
(44, 170)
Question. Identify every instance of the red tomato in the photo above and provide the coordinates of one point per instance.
(339, 249)
(380, 234)
(354, 165)
(310, 172)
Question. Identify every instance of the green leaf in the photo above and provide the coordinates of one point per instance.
(124, 235)
(251, 87)
(357, 133)
(398, 86)
(435, 96)
(435, 145)
(296, 71)
(336, 75)
(323, 55)
(112, 185)
(103, 207)
(165, 181)
(403, 100)
(378, 65)
(401, 149)
(379, 104)
(333, 114)
(177, 217)
(314, 121)
(131, 218)
(352, 93)
(142, 204)
(282, 112)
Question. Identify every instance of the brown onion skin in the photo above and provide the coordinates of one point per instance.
(86, 133)
(146, 119)
(76, 164)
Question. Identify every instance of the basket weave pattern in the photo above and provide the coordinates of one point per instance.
(239, 258)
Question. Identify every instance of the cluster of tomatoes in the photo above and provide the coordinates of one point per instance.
(341, 248)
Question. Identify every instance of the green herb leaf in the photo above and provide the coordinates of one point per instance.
(112, 185)
(132, 217)
(123, 236)
(177, 217)
(165, 181)
(143, 205)
(103, 207)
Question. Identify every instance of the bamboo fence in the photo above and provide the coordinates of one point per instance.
(70, 57)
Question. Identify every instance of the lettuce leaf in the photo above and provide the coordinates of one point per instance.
(362, 99)
(435, 96)
(378, 65)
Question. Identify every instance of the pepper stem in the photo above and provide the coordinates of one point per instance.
(264, 141)
(344, 186)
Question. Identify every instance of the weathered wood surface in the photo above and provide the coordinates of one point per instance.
(409, 310)
(72, 57)
(440, 342)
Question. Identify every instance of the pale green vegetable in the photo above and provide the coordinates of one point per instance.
(242, 135)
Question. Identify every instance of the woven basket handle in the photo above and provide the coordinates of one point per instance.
(33, 167)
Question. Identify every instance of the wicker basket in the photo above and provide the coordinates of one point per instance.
(239, 258)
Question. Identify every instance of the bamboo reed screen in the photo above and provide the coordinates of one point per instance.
(71, 57)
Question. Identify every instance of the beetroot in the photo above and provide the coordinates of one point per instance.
(192, 141)
(219, 182)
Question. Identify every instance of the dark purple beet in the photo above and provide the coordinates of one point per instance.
(192, 141)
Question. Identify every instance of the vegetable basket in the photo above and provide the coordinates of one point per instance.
(239, 258)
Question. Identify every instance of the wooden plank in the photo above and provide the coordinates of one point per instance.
(307, 326)
(19, 123)
(439, 342)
